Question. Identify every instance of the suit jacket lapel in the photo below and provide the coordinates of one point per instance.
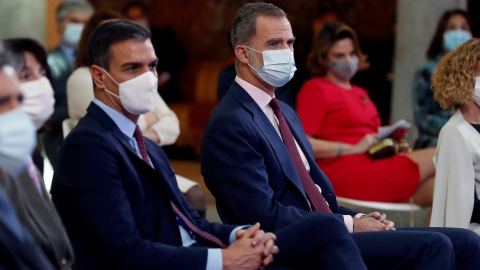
(318, 177)
(278, 147)
(166, 176)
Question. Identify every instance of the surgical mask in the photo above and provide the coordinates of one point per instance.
(38, 100)
(137, 94)
(17, 140)
(344, 69)
(452, 39)
(278, 66)
(476, 91)
(72, 33)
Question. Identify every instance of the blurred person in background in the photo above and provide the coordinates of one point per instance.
(454, 27)
(456, 86)
(19, 179)
(342, 123)
(161, 124)
(71, 16)
(35, 78)
(173, 58)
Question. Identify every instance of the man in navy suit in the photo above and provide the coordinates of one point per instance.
(255, 177)
(116, 192)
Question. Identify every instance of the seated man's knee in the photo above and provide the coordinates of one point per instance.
(330, 223)
(438, 241)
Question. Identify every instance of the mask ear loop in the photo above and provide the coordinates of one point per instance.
(254, 51)
(108, 91)
(110, 76)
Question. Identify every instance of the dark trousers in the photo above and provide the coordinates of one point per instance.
(317, 242)
(420, 248)
(324, 243)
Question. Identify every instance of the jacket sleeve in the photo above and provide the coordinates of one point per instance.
(454, 181)
(167, 126)
(79, 93)
(89, 190)
(234, 169)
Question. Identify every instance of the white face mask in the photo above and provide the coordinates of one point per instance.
(476, 91)
(17, 140)
(38, 100)
(72, 33)
(278, 66)
(137, 94)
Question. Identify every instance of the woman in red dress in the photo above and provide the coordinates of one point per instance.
(342, 123)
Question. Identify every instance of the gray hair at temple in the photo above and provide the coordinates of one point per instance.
(72, 5)
(244, 25)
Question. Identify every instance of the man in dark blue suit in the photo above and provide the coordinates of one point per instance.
(116, 192)
(258, 171)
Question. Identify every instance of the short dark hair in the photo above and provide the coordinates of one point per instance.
(436, 45)
(18, 46)
(111, 33)
(244, 25)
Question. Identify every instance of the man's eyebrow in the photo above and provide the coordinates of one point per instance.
(129, 64)
(278, 40)
(275, 40)
(154, 62)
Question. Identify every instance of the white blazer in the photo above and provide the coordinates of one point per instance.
(457, 172)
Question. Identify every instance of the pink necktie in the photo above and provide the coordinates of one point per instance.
(316, 198)
(33, 174)
(143, 151)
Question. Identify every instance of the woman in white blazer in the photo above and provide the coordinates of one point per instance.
(456, 85)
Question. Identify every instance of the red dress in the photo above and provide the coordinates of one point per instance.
(332, 113)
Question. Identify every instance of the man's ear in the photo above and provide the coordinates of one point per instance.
(242, 54)
(97, 76)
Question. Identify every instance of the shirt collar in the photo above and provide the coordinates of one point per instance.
(123, 123)
(261, 97)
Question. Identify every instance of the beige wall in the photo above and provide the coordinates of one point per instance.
(30, 18)
(23, 18)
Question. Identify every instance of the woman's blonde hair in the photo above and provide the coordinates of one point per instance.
(454, 78)
(325, 38)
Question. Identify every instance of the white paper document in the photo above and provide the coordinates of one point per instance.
(385, 131)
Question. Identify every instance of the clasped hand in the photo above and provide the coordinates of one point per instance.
(372, 222)
(253, 249)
